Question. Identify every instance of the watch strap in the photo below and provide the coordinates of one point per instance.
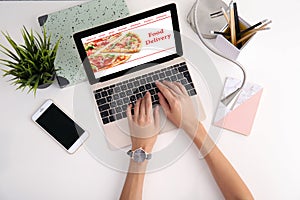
(130, 152)
(148, 156)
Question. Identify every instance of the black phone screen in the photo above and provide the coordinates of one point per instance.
(60, 126)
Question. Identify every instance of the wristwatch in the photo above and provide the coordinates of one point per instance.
(139, 155)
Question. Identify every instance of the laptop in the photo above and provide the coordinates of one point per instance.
(124, 58)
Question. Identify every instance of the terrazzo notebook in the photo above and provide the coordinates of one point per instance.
(64, 23)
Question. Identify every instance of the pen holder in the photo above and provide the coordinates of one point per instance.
(224, 45)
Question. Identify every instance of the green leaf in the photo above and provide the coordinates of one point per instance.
(55, 48)
(35, 86)
(28, 83)
(20, 86)
(32, 64)
(38, 40)
(9, 53)
(12, 79)
(28, 44)
(48, 42)
(12, 43)
(9, 63)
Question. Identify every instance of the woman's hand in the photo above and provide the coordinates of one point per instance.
(144, 124)
(178, 106)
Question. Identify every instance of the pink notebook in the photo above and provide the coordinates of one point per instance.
(240, 116)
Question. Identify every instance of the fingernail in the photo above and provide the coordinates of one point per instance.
(161, 84)
(156, 108)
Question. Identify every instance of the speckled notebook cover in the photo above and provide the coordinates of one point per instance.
(65, 23)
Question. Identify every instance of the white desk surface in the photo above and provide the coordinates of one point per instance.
(33, 167)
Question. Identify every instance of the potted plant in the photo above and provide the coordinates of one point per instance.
(32, 63)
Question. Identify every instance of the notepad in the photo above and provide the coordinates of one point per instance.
(65, 23)
(239, 117)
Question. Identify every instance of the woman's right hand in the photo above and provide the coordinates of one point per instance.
(178, 106)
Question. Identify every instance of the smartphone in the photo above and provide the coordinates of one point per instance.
(64, 130)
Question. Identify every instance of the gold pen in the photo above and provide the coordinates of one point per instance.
(225, 15)
(245, 37)
(232, 26)
(251, 33)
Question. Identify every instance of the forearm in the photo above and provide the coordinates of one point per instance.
(133, 187)
(228, 180)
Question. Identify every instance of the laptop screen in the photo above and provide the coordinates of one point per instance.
(120, 47)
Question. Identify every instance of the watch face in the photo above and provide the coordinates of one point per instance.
(139, 155)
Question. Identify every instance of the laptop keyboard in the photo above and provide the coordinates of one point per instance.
(113, 100)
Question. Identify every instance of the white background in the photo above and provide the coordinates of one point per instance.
(34, 167)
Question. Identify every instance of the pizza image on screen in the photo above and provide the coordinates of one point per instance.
(97, 44)
(113, 50)
(106, 61)
(130, 43)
